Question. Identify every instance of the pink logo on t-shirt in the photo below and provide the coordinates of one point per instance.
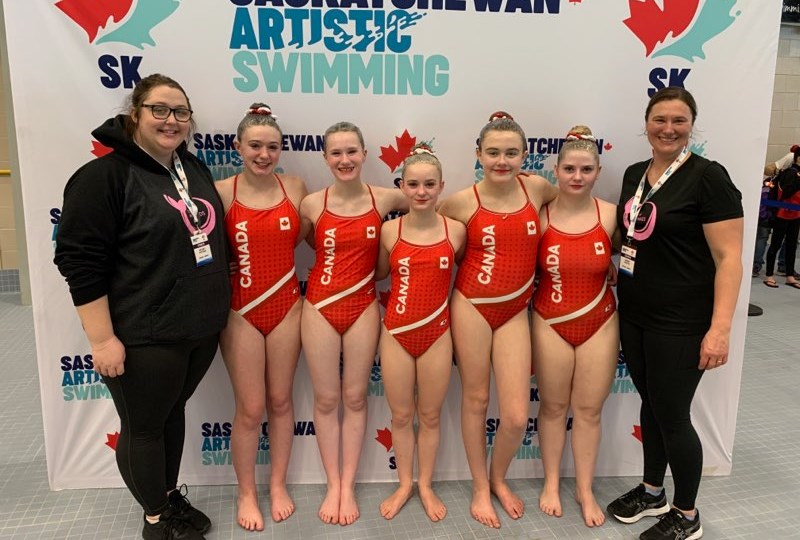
(646, 221)
(206, 216)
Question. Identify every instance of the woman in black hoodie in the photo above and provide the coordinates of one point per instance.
(142, 247)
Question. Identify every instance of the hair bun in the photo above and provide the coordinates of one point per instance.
(260, 109)
(580, 133)
(499, 115)
(421, 148)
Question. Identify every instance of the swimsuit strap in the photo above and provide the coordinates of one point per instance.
(446, 233)
(400, 229)
(325, 199)
(475, 189)
(371, 196)
(278, 178)
(547, 212)
(235, 183)
(525, 191)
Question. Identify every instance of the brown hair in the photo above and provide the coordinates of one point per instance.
(347, 127)
(669, 93)
(502, 121)
(259, 114)
(140, 93)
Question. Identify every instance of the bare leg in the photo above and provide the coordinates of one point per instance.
(399, 374)
(595, 364)
(434, 368)
(554, 359)
(283, 349)
(321, 345)
(511, 361)
(243, 352)
(472, 338)
(360, 344)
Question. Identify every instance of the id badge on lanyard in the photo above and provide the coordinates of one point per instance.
(199, 239)
(627, 259)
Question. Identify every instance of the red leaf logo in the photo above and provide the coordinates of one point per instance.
(111, 440)
(651, 24)
(637, 433)
(99, 150)
(608, 146)
(92, 15)
(393, 157)
(385, 438)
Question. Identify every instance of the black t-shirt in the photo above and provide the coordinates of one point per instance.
(672, 287)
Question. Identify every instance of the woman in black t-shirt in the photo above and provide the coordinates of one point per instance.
(680, 272)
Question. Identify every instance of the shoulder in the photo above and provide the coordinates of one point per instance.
(460, 205)
(636, 170)
(608, 214)
(382, 193)
(295, 188)
(100, 175)
(311, 205)
(456, 230)
(225, 190)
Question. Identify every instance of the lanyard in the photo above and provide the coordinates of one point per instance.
(636, 205)
(182, 185)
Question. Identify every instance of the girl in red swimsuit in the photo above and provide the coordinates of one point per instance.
(340, 315)
(416, 351)
(575, 327)
(489, 307)
(261, 343)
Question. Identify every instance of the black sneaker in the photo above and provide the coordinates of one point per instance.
(673, 526)
(183, 508)
(636, 504)
(170, 526)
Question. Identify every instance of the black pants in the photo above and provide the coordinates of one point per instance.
(783, 228)
(150, 398)
(664, 370)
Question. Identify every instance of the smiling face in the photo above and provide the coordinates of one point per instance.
(344, 155)
(422, 184)
(501, 155)
(160, 137)
(669, 126)
(260, 148)
(576, 172)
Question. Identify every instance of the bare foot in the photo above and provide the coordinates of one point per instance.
(329, 509)
(282, 504)
(348, 507)
(512, 504)
(433, 505)
(394, 502)
(248, 514)
(550, 501)
(482, 509)
(593, 515)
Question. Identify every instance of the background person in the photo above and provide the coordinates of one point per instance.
(142, 248)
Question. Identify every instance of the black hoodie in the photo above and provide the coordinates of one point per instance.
(124, 233)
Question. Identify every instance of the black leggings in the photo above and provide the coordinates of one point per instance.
(783, 228)
(150, 398)
(664, 370)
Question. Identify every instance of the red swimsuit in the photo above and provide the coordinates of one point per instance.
(262, 244)
(572, 296)
(417, 313)
(496, 275)
(341, 284)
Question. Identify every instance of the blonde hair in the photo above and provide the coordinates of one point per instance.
(580, 138)
(422, 153)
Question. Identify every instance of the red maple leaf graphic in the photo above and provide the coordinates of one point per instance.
(637, 433)
(99, 150)
(608, 146)
(111, 440)
(394, 157)
(92, 15)
(385, 438)
(652, 25)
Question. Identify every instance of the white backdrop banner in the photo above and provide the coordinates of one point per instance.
(405, 71)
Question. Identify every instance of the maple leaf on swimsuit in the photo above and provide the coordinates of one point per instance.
(651, 24)
(393, 157)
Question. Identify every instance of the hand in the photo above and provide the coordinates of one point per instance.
(714, 349)
(109, 357)
(612, 275)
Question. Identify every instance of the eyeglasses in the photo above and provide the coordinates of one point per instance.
(162, 112)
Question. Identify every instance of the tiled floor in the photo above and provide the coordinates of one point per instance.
(760, 500)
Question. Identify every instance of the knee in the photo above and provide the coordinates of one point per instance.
(279, 405)
(550, 410)
(355, 400)
(475, 402)
(587, 413)
(514, 421)
(326, 403)
(249, 415)
(402, 419)
(429, 419)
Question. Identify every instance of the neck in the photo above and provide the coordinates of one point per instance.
(347, 189)
(663, 161)
(258, 182)
(164, 158)
(498, 188)
(422, 219)
(573, 203)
